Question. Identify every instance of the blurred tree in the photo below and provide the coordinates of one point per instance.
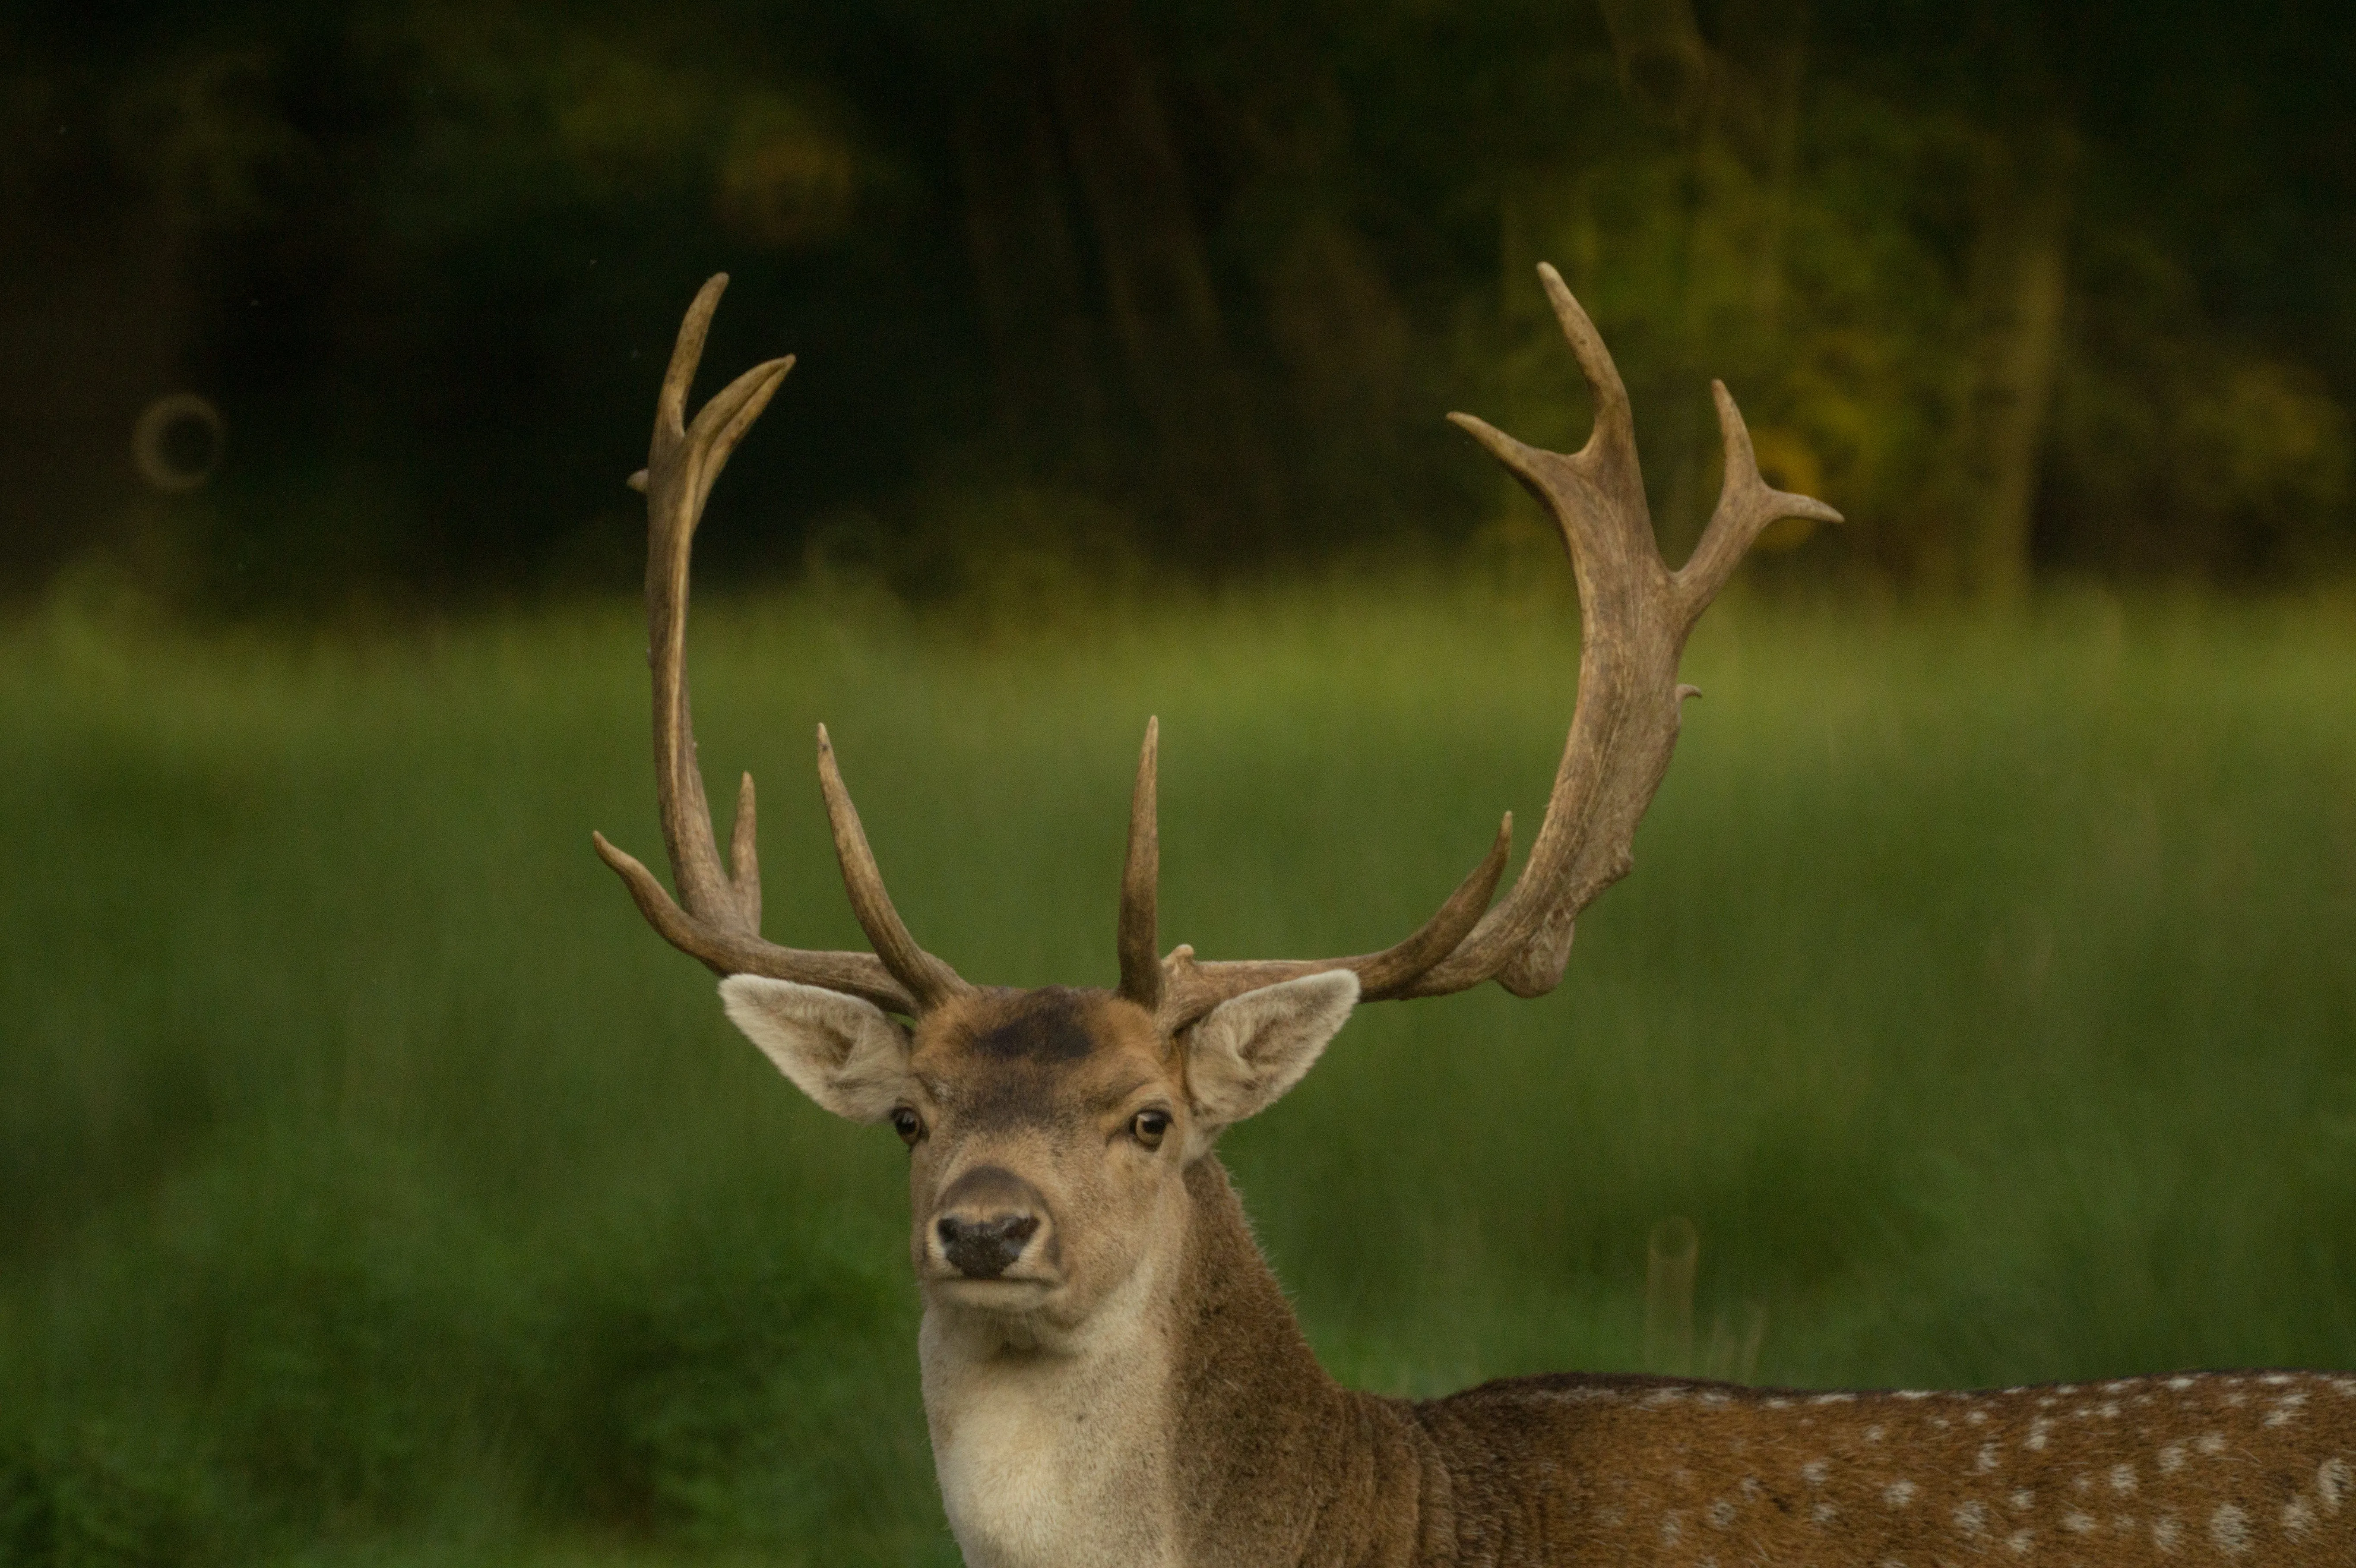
(2016, 289)
(1200, 272)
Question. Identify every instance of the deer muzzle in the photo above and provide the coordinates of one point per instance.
(986, 1221)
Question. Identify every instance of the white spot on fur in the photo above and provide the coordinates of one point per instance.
(1814, 1470)
(2211, 1442)
(1824, 1513)
(1722, 1513)
(1775, 1401)
(1986, 1458)
(2279, 1380)
(1977, 1418)
(2171, 1459)
(2020, 1541)
(2122, 1478)
(2166, 1534)
(2179, 1383)
(1672, 1525)
(1972, 1519)
(1717, 1396)
(2297, 1518)
(1834, 1398)
(2333, 1482)
(2022, 1500)
(2038, 1431)
(1874, 1434)
(2078, 1523)
(1913, 1394)
(2108, 1409)
(1898, 1494)
(2229, 1527)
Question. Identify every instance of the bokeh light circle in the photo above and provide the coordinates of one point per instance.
(177, 441)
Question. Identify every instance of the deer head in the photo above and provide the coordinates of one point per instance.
(1050, 1128)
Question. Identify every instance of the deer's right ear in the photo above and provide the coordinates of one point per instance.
(844, 1054)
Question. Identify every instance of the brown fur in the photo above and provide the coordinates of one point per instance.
(1281, 1466)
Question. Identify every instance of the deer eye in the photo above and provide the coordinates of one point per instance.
(909, 1126)
(1148, 1127)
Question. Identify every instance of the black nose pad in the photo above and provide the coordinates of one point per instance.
(981, 1249)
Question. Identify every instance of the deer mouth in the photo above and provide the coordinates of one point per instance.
(1013, 1292)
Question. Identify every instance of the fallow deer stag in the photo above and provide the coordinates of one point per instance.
(1112, 1375)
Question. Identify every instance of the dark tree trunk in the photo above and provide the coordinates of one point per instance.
(1163, 310)
(2019, 285)
(1027, 268)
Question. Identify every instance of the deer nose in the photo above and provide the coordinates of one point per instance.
(985, 1220)
(982, 1249)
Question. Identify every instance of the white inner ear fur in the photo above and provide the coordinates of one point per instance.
(1247, 1051)
(844, 1054)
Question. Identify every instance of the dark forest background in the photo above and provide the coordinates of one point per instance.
(1177, 284)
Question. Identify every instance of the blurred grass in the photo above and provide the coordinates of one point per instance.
(374, 1188)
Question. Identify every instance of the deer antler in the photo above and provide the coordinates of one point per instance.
(1634, 616)
(721, 923)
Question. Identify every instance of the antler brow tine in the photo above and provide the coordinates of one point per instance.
(1141, 979)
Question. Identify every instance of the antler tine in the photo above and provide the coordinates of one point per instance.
(745, 854)
(1602, 481)
(719, 923)
(1191, 988)
(1140, 881)
(1746, 504)
(928, 979)
(1635, 615)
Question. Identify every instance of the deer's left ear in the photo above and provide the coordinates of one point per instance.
(1247, 1051)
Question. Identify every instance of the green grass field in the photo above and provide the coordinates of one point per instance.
(376, 1188)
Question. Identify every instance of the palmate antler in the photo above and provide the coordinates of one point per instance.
(1634, 616)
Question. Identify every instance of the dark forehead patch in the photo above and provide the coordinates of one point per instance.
(1043, 1026)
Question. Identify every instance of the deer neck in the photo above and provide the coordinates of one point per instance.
(1185, 1419)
